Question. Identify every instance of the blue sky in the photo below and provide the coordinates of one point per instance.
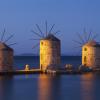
(70, 16)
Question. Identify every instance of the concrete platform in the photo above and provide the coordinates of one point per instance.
(38, 71)
(18, 72)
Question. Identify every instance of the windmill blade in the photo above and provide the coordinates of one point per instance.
(46, 27)
(89, 36)
(78, 42)
(35, 46)
(85, 35)
(3, 33)
(80, 37)
(36, 33)
(51, 28)
(12, 44)
(95, 36)
(39, 29)
(9, 38)
(56, 32)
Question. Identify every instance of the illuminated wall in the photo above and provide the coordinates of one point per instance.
(91, 56)
(6, 58)
(49, 54)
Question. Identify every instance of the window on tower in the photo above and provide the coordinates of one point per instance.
(41, 43)
(85, 49)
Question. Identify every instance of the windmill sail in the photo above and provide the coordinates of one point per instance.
(85, 37)
(43, 35)
(3, 33)
(51, 28)
(8, 38)
(37, 34)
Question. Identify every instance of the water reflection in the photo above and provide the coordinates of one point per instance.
(49, 87)
(87, 86)
(5, 88)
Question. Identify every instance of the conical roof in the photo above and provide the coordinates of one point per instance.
(92, 43)
(3, 46)
(51, 37)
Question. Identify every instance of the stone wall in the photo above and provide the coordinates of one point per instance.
(49, 54)
(91, 56)
(6, 60)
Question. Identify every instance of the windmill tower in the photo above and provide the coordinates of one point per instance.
(49, 49)
(6, 54)
(90, 50)
(91, 54)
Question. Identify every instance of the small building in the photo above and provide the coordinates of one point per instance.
(50, 53)
(6, 57)
(91, 54)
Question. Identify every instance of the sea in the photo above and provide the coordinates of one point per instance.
(49, 87)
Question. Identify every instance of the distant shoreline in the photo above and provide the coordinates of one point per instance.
(38, 55)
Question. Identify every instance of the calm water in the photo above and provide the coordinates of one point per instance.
(20, 61)
(46, 87)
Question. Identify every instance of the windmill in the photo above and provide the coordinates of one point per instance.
(49, 48)
(90, 50)
(6, 53)
(85, 38)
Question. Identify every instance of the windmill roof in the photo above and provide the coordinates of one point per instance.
(93, 43)
(51, 37)
(3, 46)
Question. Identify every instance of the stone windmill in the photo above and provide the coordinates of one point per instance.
(50, 52)
(6, 54)
(90, 50)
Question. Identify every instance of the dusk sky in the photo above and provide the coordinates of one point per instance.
(69, 16)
